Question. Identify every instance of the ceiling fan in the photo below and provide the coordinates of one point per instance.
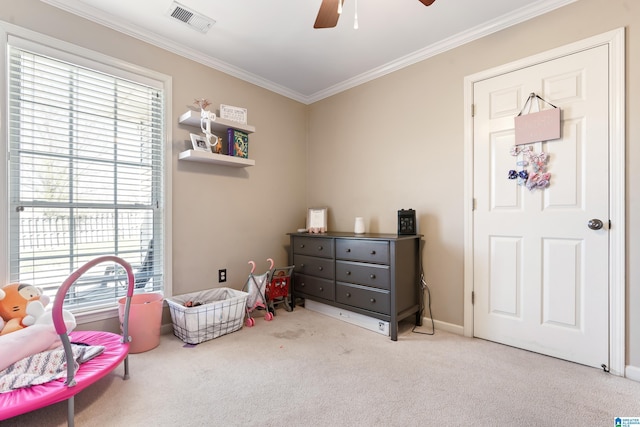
(330, 12)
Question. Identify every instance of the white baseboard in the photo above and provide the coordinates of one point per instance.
(375, 325)
(632, 372)
(443, 326)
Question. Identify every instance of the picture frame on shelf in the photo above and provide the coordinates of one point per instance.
(317, 220)
(200, 143)
(235, 114)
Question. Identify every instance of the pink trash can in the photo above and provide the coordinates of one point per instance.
(145, 318)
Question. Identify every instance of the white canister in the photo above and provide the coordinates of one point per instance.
(359, 225)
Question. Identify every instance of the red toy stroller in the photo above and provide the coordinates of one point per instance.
(277, 291)
(256, 288)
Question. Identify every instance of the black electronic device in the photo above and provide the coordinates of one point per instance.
(407, 222)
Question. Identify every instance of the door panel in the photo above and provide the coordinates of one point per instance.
(504, 195)
(540, 274)
(505, 280)
(561, 285)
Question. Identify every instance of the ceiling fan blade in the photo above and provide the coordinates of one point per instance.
(427, 2)
(328, 14)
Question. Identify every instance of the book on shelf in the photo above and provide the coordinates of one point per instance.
(237, 143)
(228, 148)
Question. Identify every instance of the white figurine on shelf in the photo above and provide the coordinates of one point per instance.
(206, 117)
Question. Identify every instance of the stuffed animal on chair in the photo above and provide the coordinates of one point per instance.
(20, 306)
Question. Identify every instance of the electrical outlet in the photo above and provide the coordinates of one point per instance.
(222, 275)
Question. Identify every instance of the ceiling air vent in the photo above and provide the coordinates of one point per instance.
(193, 19)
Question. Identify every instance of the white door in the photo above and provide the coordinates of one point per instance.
(540, 274)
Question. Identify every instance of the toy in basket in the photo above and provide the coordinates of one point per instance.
(256, 288)
(277, 290)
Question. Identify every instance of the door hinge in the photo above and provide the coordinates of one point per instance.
(473, 297)
(473, 110)
(609, 225)
(473, 204)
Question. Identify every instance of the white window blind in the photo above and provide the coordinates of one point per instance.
(86, 177)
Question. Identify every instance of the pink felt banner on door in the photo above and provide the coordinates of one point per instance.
(543, 125)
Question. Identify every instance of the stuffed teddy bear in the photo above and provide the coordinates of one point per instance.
(20, 306)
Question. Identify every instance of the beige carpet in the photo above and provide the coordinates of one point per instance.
(304, 368)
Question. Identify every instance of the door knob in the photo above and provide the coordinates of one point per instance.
(595, 224)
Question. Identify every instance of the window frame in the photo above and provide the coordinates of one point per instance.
(14, 35)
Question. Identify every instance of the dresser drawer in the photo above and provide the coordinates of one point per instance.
(374, 251)
(314, 286)
(314, 266)
(363, 297)
(374, 275)
(313, 246)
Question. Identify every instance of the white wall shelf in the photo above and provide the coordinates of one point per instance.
(219, 159)
(192, 118)
(218, 126)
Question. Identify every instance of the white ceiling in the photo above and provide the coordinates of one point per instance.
(272, 43)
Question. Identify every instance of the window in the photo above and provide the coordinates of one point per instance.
(86, 174)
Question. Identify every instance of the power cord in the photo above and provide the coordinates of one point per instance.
(423, 286)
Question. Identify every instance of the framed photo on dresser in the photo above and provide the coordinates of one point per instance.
(317, 220)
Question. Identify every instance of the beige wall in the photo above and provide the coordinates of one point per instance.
(396, 142)
(222, 217)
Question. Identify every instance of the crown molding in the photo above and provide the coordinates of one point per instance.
(109, 21)
(498, 24)
(523, 14)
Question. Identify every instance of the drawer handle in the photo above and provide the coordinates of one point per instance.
(320, 268)
(373, 276)
(320, 248)
(348, 250)
(373, 252)
(320, 289)
(348, 273)
(302, 285)
(348, 295)
(301, 265)
(301, 245)
(372, 300)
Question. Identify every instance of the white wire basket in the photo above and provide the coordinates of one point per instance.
(218, 312)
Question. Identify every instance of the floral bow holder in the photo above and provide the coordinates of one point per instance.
(535, 178)
(543, 125)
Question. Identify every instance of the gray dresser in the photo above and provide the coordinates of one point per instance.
(376, 275)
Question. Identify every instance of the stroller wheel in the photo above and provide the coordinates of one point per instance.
(249, 322)
(268, 316)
